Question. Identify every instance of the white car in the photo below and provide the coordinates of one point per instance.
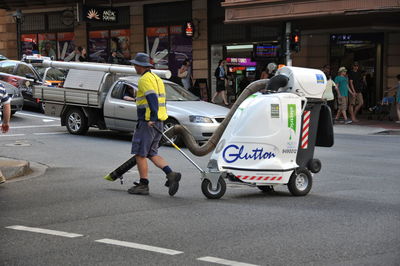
(201, 118)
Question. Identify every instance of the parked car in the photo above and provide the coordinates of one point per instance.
(17, 101)
(199, 117)
(22, 76)
(2, 57)
(25, 75)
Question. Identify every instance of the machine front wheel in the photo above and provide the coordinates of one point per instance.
(210, 193)
(300, 182)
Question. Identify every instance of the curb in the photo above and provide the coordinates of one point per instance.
(12, 168)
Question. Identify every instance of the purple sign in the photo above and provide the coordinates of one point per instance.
(233, 61)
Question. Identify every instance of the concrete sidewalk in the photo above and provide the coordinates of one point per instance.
(368, 127)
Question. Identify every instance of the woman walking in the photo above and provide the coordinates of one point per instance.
(220, 75)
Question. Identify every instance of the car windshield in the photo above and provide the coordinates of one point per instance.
(52, 73)
(177, 93)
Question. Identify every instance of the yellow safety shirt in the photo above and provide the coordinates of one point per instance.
(150, 98)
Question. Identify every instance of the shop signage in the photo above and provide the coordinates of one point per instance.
(354, 38)
(233, 61)
(265, 51)
(189, 29)
(100, 14)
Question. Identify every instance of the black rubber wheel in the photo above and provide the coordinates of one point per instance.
(42, 107)
(170, 122)
(207, 190)
(77, 122)
(314, 165)
(300, 182)
(266, 188)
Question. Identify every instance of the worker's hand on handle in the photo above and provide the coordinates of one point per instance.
(4, 128)
(150, 123)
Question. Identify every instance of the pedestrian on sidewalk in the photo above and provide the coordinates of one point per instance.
(151, 112)
(220, 75)
(356, 84)
(397, 89)
(185, 73)
(5, 101)
(342, 83)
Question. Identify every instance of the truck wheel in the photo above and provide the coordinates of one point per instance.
(77, 122)
(42, 107)
(176, 138)
(300, 182)
(314, 165)
(266, 188)
(207, 190)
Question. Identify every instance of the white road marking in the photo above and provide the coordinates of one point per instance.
(43, 231)
(224, 262)
(36, 126)
(139, 246)
(40, 116)
(12, 135)
(49, 133)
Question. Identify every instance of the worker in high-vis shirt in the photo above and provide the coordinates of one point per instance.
(151, 112)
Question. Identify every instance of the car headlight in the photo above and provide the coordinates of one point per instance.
(199, 119)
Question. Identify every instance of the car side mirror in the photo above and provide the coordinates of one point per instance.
(30, 76)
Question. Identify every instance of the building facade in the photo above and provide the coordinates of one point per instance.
(248, 34)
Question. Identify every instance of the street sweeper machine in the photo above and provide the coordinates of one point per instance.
(268, 137)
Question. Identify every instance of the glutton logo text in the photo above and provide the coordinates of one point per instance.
(232, 153)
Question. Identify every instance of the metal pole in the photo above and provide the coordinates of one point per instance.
(287, 33)
(18, 21)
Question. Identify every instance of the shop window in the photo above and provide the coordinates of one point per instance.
(58, 45)
(65, 44)
(103, 43)
(29, 44)
(48, 44)
(168, 47)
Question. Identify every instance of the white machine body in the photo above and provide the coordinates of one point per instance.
(307, 82)
(260, 143)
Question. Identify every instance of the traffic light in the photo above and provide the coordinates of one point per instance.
(295, 41)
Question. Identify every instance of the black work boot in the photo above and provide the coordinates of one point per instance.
(139, 189)
(173, 179)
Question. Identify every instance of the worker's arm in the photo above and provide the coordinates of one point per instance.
(152, 100)
(6, 117)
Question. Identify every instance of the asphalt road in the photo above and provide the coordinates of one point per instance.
(350, 217)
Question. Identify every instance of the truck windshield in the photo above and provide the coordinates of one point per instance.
(177, 93)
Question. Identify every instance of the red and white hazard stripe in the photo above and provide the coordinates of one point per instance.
(305, 129)
(258, 178)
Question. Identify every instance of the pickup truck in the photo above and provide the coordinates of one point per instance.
(95, 99)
